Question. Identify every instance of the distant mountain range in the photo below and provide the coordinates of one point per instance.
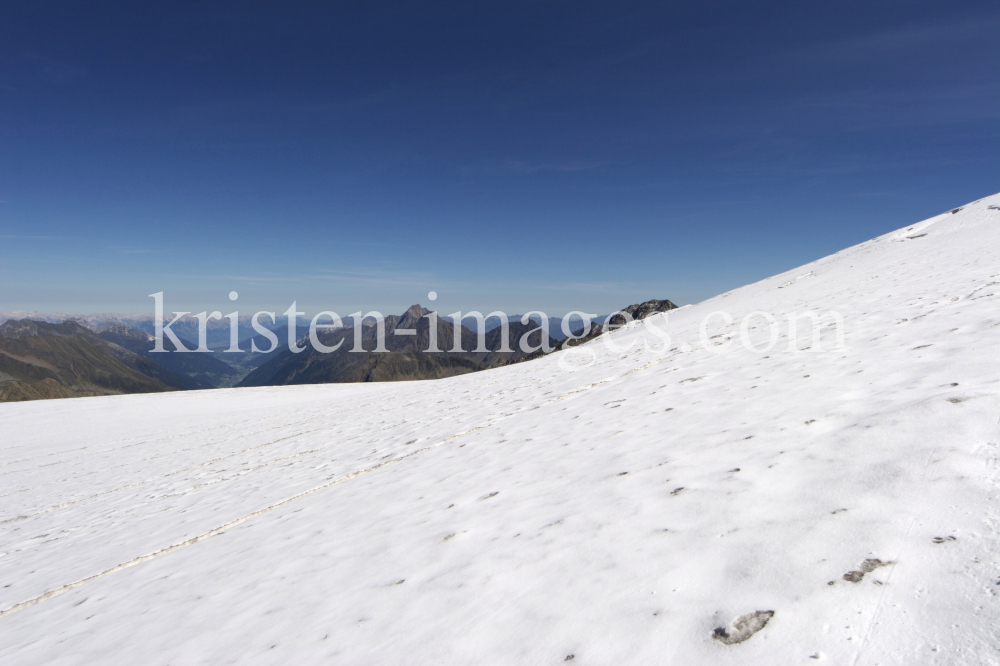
(42, 360)
(186, 327)
(60, 356)
(406, 356)
(200, 370)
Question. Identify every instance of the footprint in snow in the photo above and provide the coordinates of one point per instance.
(742, 627)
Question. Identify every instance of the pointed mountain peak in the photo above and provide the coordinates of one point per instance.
(416, 311)
(412, 316)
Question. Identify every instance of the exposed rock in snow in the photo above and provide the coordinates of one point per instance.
(743, 627)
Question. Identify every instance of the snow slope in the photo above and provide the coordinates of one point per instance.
(613, 514)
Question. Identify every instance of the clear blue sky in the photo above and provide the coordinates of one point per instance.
(514, 155)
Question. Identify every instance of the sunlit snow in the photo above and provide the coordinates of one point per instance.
(649, 509)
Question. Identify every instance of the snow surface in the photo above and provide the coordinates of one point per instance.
(535, 513)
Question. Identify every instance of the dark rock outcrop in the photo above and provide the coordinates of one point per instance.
(636, 312)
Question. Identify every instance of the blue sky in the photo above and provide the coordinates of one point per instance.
(509, 155)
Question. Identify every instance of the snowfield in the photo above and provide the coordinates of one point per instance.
(646, 509)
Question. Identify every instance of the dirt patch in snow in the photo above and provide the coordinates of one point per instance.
(742, 627)
(867, 566)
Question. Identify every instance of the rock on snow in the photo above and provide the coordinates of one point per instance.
(665, 505)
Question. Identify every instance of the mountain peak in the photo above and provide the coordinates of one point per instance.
(412, 316)
(416, 311)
